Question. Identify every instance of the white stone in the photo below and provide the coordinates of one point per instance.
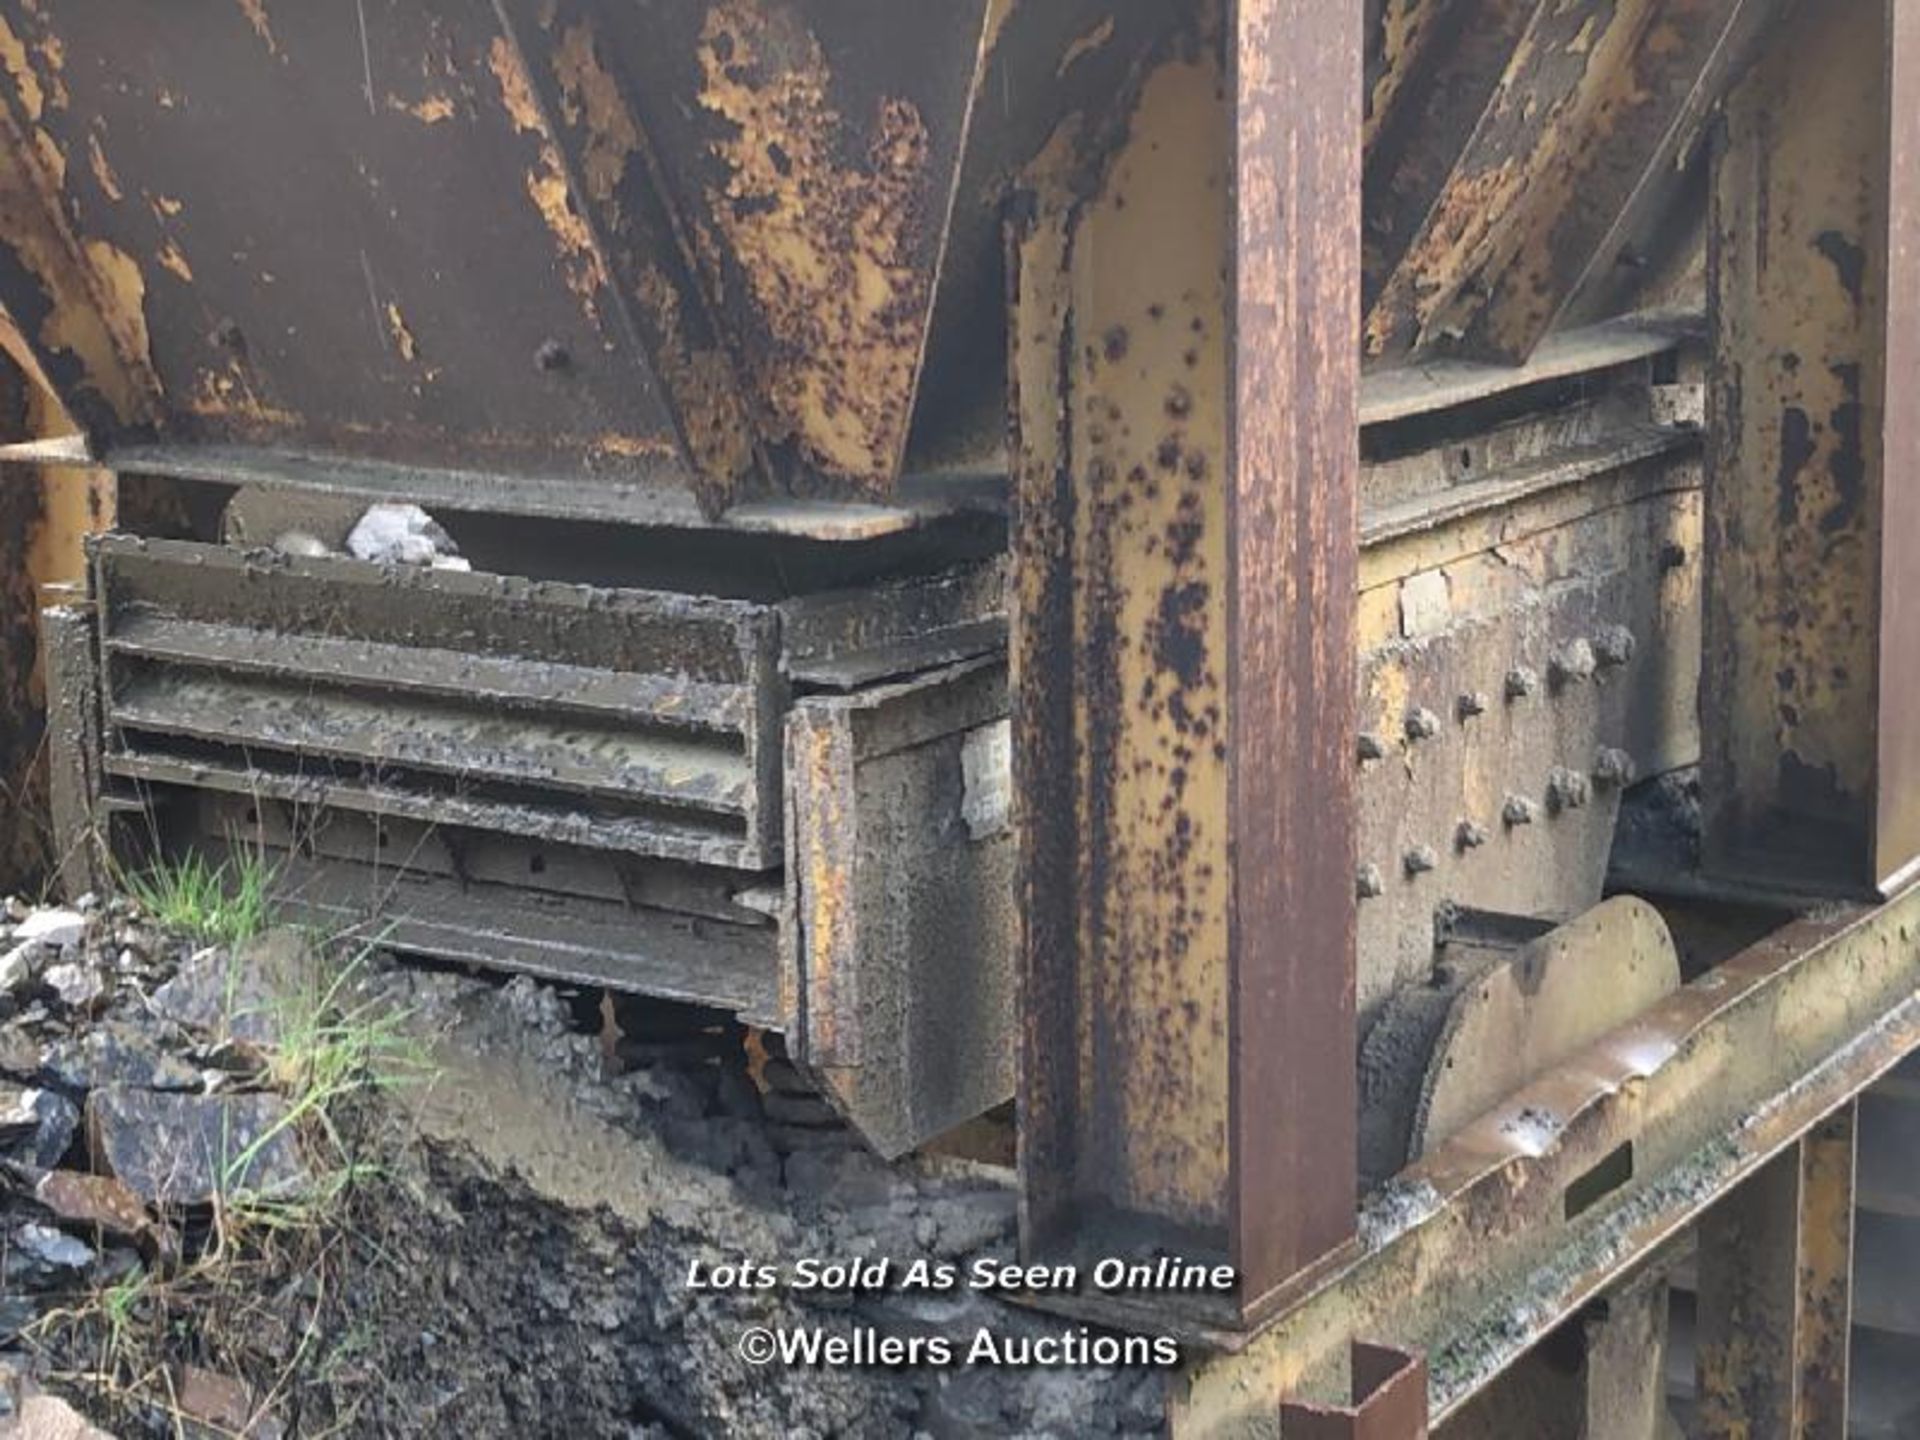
(400, 535)
(17, 967)
(52, 928)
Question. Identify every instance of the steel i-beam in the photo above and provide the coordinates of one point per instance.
(1185, 392)
(1811, 690)
(1776, 1291)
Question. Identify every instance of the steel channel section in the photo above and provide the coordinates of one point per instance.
(1389, 1401)
(1812, 681)
(1776, 1285)
(1185, 661)
(1482, 1248)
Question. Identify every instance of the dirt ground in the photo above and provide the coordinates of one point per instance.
(495, 1238)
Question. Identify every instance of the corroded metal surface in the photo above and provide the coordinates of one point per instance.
(1389, 1401)
(1183, 657)
(1776, 1289)
(1810, 622)
(1593, 105)
(1474, 1254)
(900, 881)
(621, 718)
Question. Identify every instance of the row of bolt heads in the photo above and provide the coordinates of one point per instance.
(1574, 663)
(1566, 790)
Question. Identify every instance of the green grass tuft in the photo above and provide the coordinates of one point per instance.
(224, 904)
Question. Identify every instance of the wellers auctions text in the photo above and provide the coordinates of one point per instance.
(839, 1276)
(866, 1348)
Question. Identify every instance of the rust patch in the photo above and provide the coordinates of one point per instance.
(26, 80)
(1083, 46)
(103, 173)
(430, 111)
(256, 13)
(174, 260)
(403, 340)
(714, 431)
(588, 95)
(824, 241)
(547, 184)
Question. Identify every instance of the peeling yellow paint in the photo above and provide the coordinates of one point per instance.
(630, 446)
(998, 13)
(547, 186)
(430, 111)
(53, 51)
(91, 332)
(707, 403)
(402, 337)
(589, 93)
(825, 248)
(26, 82)
(1085, 45)
(173, 259)
(256, 13)
(103, 171)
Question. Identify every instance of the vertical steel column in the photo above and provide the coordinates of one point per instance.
(1811, 692)
(1625, 1375)
(1185, 398)
(1776, 1289)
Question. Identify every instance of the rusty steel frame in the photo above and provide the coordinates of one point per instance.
(1811, 690)
(1186, 558)
(1776, 1289)
(1477, 1252)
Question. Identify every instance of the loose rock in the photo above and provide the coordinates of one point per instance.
(173, 1149)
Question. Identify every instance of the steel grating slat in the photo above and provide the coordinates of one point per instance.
(445, 739)
(448, 674)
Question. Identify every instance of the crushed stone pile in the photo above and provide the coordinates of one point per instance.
(499, 1242)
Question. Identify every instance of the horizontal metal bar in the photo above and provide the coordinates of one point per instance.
(468, 744)
(918, 500)
(1405, 391)
(581, 941)
(1484, 1246)
(667, 701)
(644, 836)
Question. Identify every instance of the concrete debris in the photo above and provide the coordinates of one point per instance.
(116, 1053)
(403, 535)
(36, 1125)
(52, 928)
(173, 1149)
(80, 986)
(16, 968)
(241, 993)
(36, 1252)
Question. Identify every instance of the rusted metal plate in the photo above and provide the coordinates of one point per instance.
(1185, 455)
(347, 231)
(810, 155)
(1813, 766)
(1439, 64)
(1555, 997)
(69, 634)
(1389, 1401)
(1593, 106)
(1476, 1252)
(900, 879)
(1776, 1285)
(627, 719)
